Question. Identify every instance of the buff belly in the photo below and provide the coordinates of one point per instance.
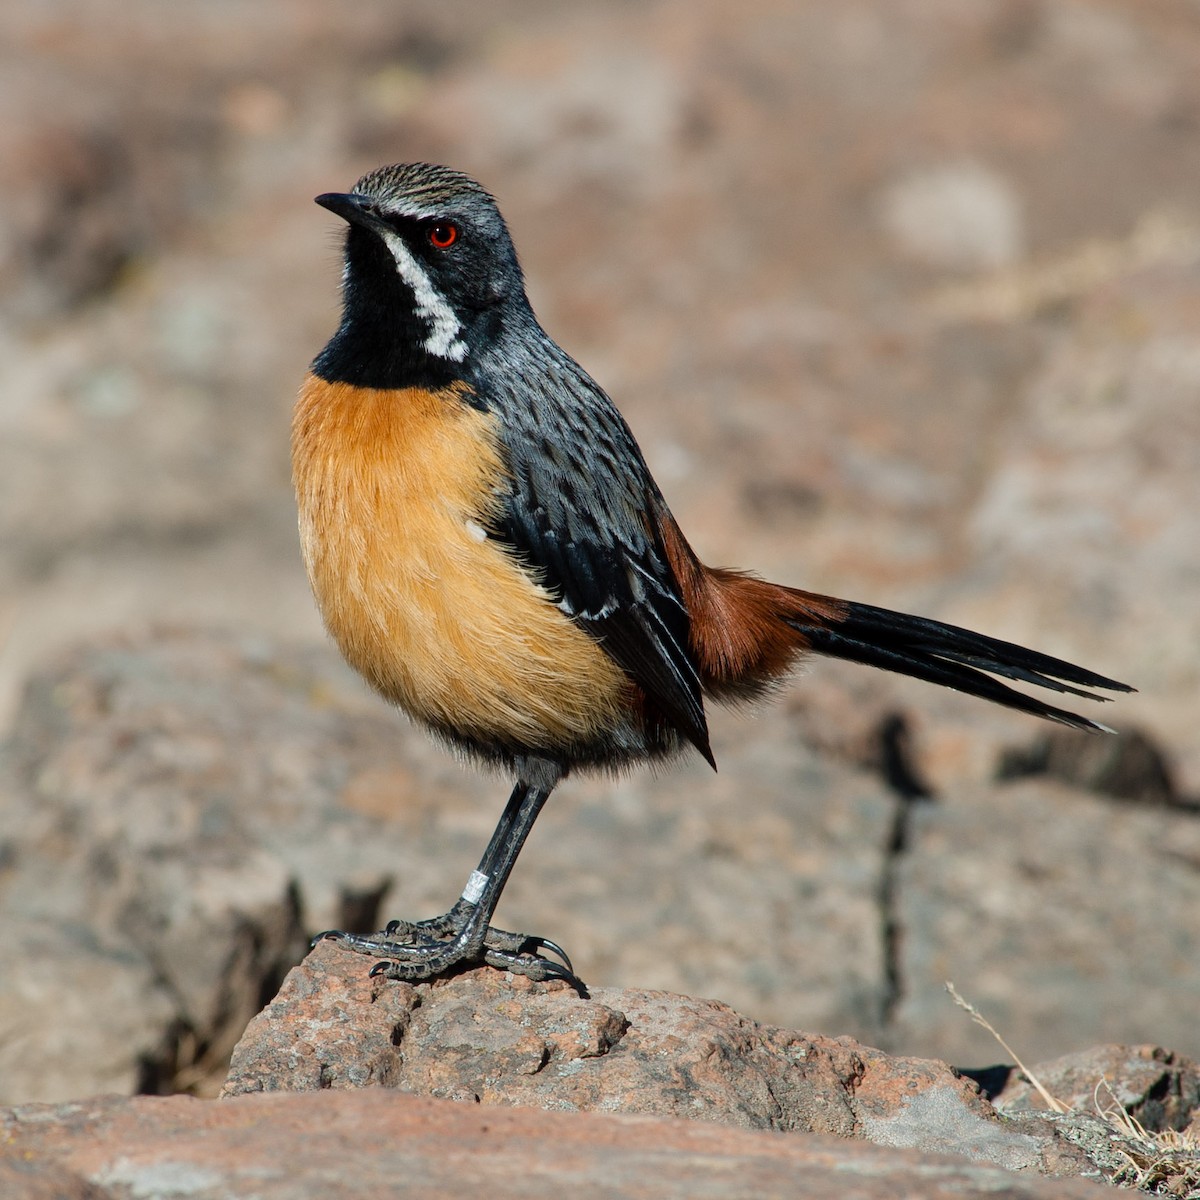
(394, 488)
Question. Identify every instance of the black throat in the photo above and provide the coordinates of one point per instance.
(381, 340)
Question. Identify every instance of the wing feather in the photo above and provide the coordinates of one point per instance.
(583, 515)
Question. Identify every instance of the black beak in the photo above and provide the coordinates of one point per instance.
(353, 208)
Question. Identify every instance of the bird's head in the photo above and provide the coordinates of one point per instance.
(429, 261)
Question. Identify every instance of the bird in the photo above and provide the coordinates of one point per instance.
(488, 548)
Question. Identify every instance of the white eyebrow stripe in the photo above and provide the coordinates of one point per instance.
(443, 339)
(414, 213)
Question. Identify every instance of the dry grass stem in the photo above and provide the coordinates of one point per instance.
(1161, 1163)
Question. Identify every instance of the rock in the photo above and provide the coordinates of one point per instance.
(494, 1039)
(125, 877)
(359, 1144)
(485, 1037)
(1159, 1089)
(32, 1179)
(68, 235)
(1060, 916)
(198, 803)
(1131, 767)
(184, 809)
(960, 215)
(82, 1011)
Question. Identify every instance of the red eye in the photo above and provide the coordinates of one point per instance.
(443, 235)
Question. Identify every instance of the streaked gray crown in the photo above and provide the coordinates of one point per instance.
(425, 189)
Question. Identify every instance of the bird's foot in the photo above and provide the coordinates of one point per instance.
(416, 950)
(456, 922)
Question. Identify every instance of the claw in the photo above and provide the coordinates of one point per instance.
(380, 968)
(552, 970)
(555, 970)
(541, 943)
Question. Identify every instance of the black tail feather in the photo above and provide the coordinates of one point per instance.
(957, 658)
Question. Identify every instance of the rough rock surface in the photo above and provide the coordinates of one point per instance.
(485, 1036)
(1157, 1087)
(191, 802)
(489, 1038)
(182, 810)
(364, 1144)
(1045, 905)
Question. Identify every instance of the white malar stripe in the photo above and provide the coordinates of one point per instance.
(476, 531)
(443, 339)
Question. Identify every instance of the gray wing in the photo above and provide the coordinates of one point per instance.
(583, 514)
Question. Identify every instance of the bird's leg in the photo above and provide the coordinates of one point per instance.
(449, 925)
(453, 922)
(421, 949)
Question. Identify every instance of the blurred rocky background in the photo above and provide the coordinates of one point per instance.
(902, 300)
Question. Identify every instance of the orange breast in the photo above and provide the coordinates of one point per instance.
(394, 488)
